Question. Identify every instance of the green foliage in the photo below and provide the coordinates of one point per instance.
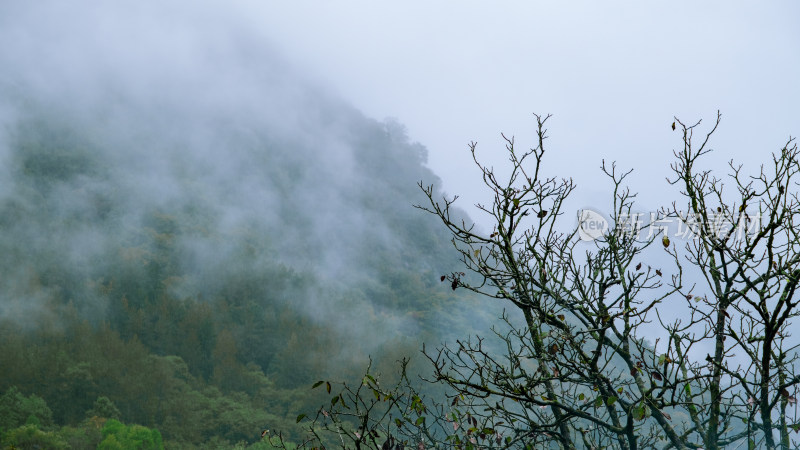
(30, 436)
(87, 435)
(105, 408)
(119, 436)
(51, 151)
(16, 409)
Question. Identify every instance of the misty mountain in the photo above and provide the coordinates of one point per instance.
(202, 196)
(194, 240)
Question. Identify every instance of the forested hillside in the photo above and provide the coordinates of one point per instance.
(193, 263)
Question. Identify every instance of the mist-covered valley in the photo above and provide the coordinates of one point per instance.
(192, 232)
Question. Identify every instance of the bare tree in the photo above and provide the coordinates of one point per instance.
(583, 357)
(746, 250)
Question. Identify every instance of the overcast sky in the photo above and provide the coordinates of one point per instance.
(613, 74)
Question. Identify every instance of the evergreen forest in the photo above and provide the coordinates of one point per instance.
(188, 272)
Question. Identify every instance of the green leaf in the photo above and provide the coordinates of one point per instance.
(611, 400)
(581, 396)
(300, 417)
(317, 384)
(420, 420)
(334, 400)
(328, 386)
(639, 412)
